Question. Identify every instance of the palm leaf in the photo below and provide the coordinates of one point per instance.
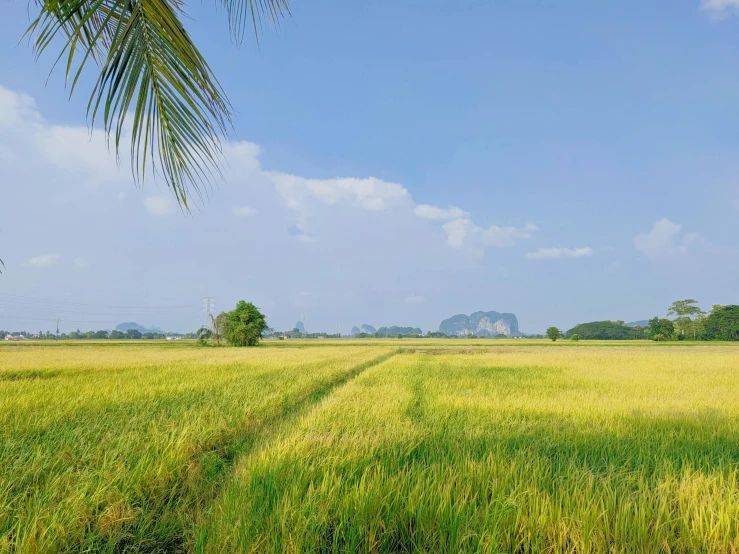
(241, 12)
(150, 72)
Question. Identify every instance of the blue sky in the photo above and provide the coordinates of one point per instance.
(396, 164)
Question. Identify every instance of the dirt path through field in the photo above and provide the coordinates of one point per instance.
(214, 466)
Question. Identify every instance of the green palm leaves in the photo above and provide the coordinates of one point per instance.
(153, 82)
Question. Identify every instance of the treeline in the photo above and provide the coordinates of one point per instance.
(606, 330)
(689, 323)
(434, 335)
(297, 334)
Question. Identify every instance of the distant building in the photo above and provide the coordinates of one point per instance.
(18, 337)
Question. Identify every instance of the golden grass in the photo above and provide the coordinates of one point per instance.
(113, 448)
(512, 450)
(353, 446)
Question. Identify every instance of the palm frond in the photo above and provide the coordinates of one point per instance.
(150, 68)
(242, 12)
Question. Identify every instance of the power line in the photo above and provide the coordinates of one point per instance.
(55, 319)
(56, 309)
(80, 304)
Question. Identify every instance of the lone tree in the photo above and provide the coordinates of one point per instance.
(683, 310)
(244, 325)
(554, 333)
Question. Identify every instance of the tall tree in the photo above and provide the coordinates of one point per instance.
(219, 324)
(683, 310)
(244, 325)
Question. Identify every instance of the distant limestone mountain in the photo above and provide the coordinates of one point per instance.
(480, 324)
(300, 327)
(640, 323)
(123, 327)
(365, 328)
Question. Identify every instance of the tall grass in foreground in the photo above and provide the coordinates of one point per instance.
(560, 450)
(119, 448)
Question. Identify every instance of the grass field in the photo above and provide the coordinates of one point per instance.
(441, 446)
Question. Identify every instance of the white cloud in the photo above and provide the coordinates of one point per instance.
(79, 263)
(77, 149)
(318, 209)
(720, 8)
(370, 194)
(46, 260)
(664, 240)
(243, 211)
(465, 234)
(557, 253)
(159, 205)
(414, 299)
(435, 213)
(18, 110)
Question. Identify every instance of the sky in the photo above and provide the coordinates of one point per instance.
(396, 165)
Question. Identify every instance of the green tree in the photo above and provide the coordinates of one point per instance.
(149, 66)
(661, 329)
(101, 335)
(604, 330)
(554, 333)
(683, 310)
(133, 334)
(203, 334)
(244, 325)
(575, 337)
(117, 335)
(722, 323)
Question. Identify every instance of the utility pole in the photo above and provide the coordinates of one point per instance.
(57, 329)
(208, 303)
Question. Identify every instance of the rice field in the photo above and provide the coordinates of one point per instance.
(438, 446)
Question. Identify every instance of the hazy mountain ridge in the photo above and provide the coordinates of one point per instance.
(365, 328)
(125, 326)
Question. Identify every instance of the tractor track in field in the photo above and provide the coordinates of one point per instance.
(191, 496)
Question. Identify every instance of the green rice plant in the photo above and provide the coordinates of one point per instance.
(524, 449)
(113, 448)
